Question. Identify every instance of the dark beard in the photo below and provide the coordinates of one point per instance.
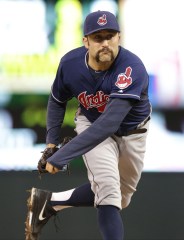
(97, 57)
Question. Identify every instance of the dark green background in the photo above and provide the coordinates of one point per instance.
(155, 213)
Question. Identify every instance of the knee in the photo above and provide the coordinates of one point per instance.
(108, 196)
(126, 199)
(125, 204)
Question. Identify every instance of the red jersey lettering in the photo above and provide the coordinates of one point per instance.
(98, 101)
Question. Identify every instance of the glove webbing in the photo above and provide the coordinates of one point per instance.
(48, 152)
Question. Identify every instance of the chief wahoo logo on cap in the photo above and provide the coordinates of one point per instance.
(102, 20)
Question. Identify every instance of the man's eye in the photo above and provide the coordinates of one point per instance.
(109, 37)
(98, 38)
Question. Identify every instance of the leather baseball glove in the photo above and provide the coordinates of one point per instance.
(48, 152)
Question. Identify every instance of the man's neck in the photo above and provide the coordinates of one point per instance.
(99, 66)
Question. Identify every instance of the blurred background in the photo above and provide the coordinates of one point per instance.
(34, 35)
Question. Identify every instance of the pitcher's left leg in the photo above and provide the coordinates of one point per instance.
(131, 161)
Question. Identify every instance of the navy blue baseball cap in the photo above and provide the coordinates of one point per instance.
(100, 20)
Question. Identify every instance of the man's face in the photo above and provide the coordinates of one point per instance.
(102, 46)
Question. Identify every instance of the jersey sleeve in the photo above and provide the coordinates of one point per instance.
(130, 83)
(58, 90)
(55, 117)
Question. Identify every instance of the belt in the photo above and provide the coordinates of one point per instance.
(135, 131)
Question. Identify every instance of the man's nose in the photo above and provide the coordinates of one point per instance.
(105, 43)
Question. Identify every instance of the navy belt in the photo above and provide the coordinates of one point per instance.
(135, 131)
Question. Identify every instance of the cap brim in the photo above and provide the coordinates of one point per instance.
(100, 29)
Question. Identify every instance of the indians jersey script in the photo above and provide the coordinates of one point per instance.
(126, 78)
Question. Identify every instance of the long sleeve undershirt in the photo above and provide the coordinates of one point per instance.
(106, 125)
(55, 117)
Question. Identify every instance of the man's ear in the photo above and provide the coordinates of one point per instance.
(119, 37)
(85, 42)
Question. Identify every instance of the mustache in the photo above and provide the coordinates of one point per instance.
(105, 50)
